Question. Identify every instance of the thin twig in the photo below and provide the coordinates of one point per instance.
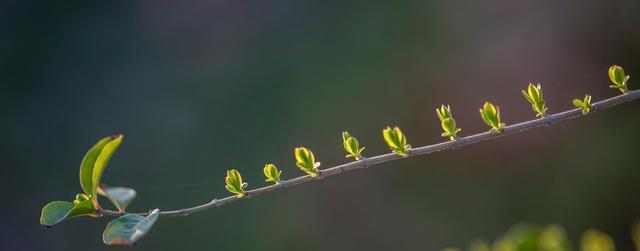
(371, 161)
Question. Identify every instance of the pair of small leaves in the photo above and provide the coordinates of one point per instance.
(491, 115)
(396, 141)
(127, 230)
(306, 161)
(235, 185)
(352, 146)
(272, 173)
(533, 94)
(584, 104)
(94, 163)
(91, 169)
(618, 78)
(447, 122)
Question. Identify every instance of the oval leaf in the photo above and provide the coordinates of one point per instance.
(101, 164)
(86, 166)
(57, 211)
(119, 196)
(128, 229)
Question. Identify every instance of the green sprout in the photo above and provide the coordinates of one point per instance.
(396, 141)
(306, 161)
(352, 146)
(271, 172)
(491, 115)
(447, 122)
(616, 74)
(234, 183)
(533, 94)
(585, 104)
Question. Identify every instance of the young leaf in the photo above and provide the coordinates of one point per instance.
(396, 140)
(234, 183)
(88, 162)
(271, 172)
(352, 146)
(119, 196)
(57, 211)
(618, 78)
(101, 163)
(447, 122)
(491, 115)
(128, 229)
(534, 96)
(594, 240)
(306, 161)
(584, 104)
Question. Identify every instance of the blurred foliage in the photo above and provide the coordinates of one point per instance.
(528, 237)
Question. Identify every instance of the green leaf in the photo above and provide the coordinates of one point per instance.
(352, 146)
(584, 104)
(129, 229)
(57, 211)
(119, 196)
(396, 140)
(234, 182)
(306, 161)
(618, 78)
(88, 162)
(271, 172)
(491, 115)
(578, 103)
(101, 163)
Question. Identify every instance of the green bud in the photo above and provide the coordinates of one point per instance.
(533, 94)
(271, 172)
(80, 198)
(396, 141)
(306, 161)
(444, 112)
(447, 122)
(234, 183)
(352, 146)
(619, 79)
(584, 104)
(491, 115)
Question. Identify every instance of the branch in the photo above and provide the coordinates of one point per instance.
(372, 161)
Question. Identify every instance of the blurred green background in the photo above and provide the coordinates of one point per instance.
(199, 87)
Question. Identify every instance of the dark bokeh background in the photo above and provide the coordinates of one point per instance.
(199, 87)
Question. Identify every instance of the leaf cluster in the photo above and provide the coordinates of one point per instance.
(533, 94)
(396, 141)
(491, 115)
(447, 122)
(618, 78)
(584, 104)
(352, 146)
(306, 161)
